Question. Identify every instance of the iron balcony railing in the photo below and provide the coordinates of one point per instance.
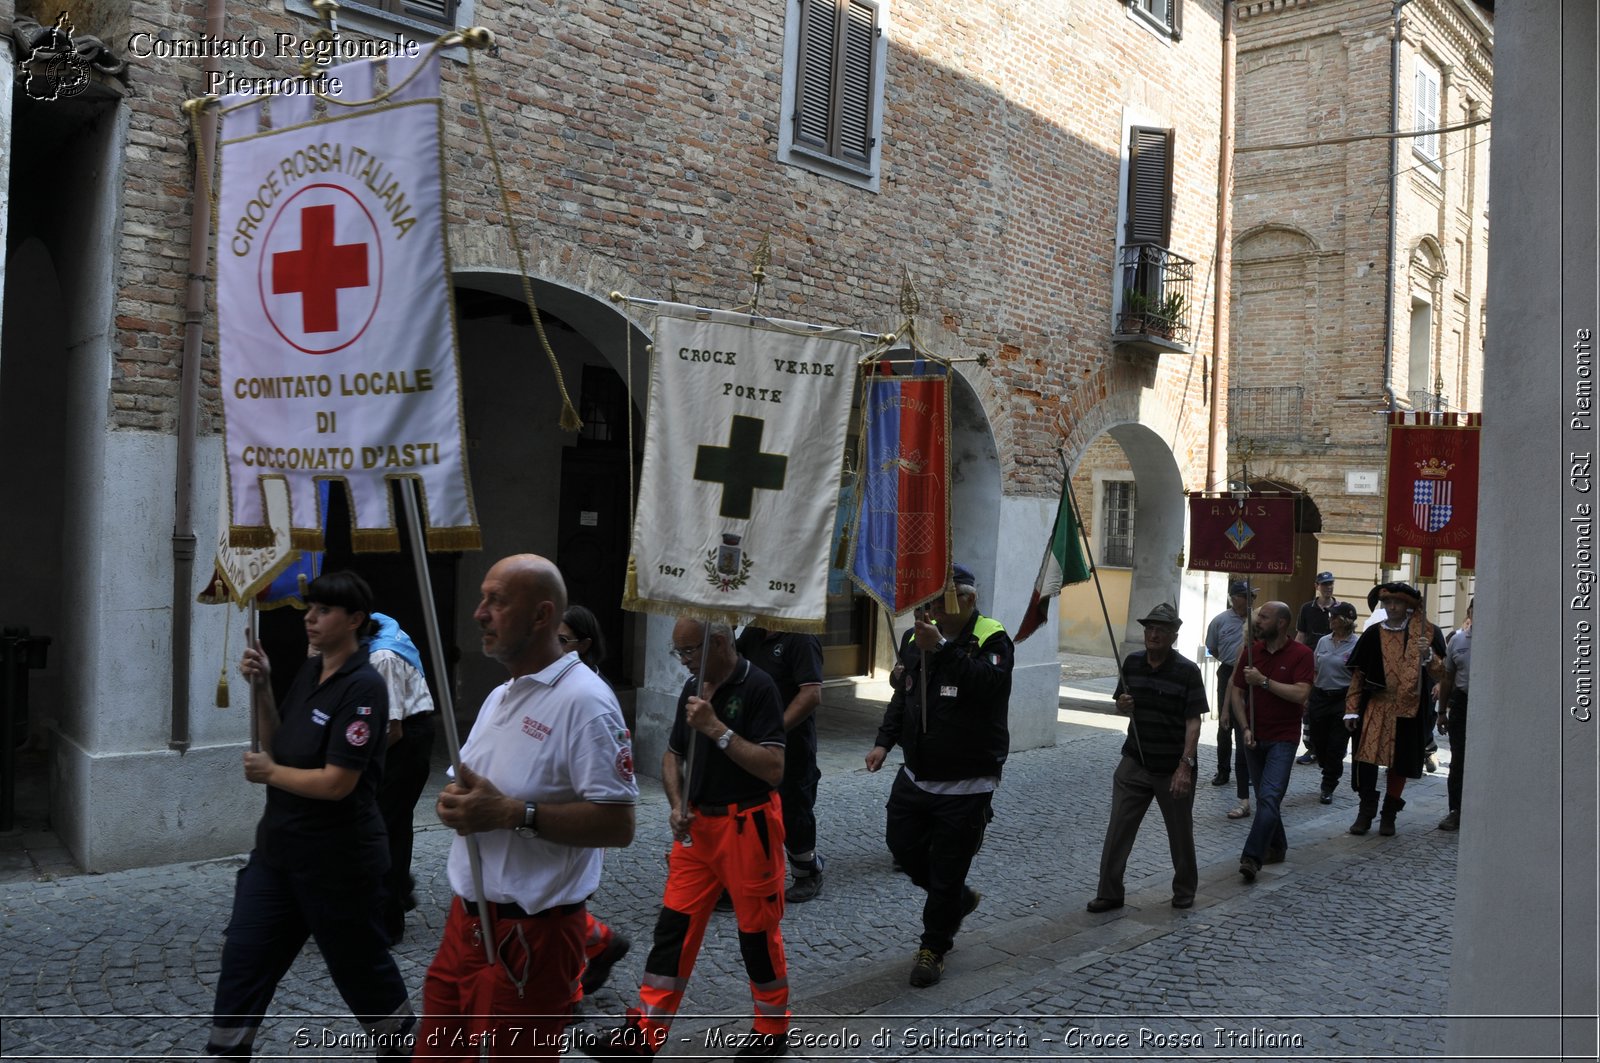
(1157, 295)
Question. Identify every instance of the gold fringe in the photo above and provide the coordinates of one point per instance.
(570, 421)
(222, 688)
(375, 540)
(249, 537)
(303, 539)
(634, 604)
(443, 539)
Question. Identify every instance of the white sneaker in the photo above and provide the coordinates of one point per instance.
(1239, 811)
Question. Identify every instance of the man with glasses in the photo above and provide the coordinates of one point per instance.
(948, 714)
(727, 828)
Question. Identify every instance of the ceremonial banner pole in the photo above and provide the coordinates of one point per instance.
(1094, 570)
(689, 757)
(1250, 651)
(253, 638)
(430, 619)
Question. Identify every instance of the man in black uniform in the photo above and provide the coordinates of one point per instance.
(948, 713)
(794, 663)
(1163, 692)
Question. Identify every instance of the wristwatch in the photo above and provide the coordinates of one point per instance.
(1191, 762)
(725, 739)
(1264, 682)
(530, 820)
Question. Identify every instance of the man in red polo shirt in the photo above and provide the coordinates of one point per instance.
(1270, 685)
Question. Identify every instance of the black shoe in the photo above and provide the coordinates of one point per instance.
(1325, 798)
(1305, 758)
(1182, 902)
(969, 901)
(805, 888)
(1103, 904)
(599, 968)
(1248, 866)
(764, 1046)
(1219, 779)
(1451, 822)
(926, 969)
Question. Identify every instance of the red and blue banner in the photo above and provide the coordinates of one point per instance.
(902, 530)
(1250, 534)
(1431, 498)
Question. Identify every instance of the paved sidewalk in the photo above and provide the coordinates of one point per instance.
(1343, 951)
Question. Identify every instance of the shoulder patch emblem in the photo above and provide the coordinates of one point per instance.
(735, 706)
(358, 733)
(624, 763)
(365, 710)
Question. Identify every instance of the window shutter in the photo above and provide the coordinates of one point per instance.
(814, 91)
(1425, 109)
(440, 12)
(855, 82)
(1175, 18)
(1150, 186)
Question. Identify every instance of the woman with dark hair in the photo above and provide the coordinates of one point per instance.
(580, 633)
(321, 849)
(602, 947)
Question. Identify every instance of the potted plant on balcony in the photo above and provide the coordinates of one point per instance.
(1136, 306)
(1167, 313)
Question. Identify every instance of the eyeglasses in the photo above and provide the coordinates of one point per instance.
(683, 655)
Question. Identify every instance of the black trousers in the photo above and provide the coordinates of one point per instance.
(405, 773)
(1456, 728)
(1225, 733)
(274, 912)
(934, 838)
(799, 789)
(1329, 736)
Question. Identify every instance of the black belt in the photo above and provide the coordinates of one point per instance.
(723, 810)
(507, 910)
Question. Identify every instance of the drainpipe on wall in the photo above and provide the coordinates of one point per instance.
(1394, 186)
(1224, 252)
(183, 538)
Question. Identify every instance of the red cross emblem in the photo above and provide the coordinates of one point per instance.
(319, 269)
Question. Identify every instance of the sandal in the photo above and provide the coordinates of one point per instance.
(1239, 811)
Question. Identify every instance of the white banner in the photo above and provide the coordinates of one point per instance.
(241, 573)
(338, 356)
(744, 449)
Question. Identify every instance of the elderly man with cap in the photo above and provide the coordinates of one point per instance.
(1315, 621)
(1224, 638)
(1164, 695)
(1388, 701)
(948, 713)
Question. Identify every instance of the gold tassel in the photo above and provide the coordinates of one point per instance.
(841, 559)
(222, 680)
(951, 604)
(630, 582)
(570, 421)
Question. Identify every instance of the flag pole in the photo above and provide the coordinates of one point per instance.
(693, 739)
(430, 617)
(253, 637)
(1094, 570)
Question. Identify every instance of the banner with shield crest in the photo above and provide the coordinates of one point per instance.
(1431, 498)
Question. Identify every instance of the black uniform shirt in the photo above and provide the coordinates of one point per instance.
(343, 722)
(792, 660)
(746, 702)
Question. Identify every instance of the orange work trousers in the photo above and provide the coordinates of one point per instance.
(740, 851)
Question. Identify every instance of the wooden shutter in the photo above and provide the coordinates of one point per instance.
(438, 12)
(833, 87)
(819, 22)
(855, 81)
(1149, 186)
(1425, 109)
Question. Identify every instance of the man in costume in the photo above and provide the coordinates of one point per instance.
(1165, 696)
(546, 783)
(1270, 687)
(948, 713)
(727, 829)
(1386, 705)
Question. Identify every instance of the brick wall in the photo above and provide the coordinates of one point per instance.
(640, 146)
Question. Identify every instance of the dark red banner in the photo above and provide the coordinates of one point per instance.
(1431, 500)
(1253, 534)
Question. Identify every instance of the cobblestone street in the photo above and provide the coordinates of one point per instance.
(1342, 951)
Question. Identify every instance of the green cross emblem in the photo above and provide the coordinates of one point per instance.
(741, 467)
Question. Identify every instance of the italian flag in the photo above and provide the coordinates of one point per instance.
(1063, 563)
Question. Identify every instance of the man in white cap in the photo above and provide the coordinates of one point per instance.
(1165, 696)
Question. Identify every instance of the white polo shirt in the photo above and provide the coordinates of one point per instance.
(556, 735)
